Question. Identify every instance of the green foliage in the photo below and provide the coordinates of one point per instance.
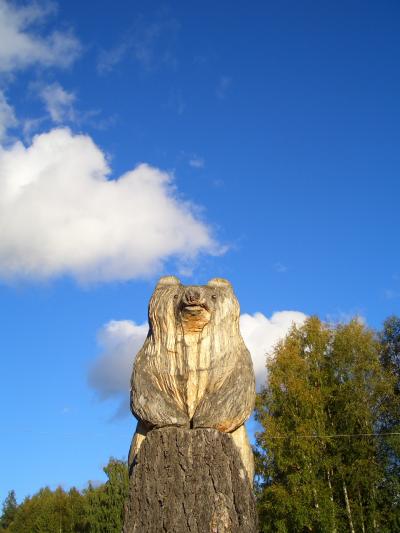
(97, 510)
(390, 423)
(9, 510)
(320, 465)
(51, 511)
(390, 340)
(105, 505)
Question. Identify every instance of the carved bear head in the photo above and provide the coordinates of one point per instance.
(192, 308)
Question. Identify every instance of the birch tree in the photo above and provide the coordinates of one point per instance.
(318, 458)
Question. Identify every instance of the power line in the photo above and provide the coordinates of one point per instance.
(337, 436)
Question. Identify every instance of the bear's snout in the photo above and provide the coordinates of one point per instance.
(193, 296)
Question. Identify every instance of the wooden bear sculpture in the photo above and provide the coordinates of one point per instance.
(194, 370)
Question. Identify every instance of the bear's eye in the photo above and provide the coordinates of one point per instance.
(214, 296)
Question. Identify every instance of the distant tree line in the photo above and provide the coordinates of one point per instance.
(328, 455)
(95, 509)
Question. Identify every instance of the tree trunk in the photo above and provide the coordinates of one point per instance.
(332, 502)
(348, 508)
(189, 481)
(360, 503)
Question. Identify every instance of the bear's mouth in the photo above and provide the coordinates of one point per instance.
(194, 307)
(194, 316)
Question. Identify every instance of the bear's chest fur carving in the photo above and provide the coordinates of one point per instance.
(194, 368)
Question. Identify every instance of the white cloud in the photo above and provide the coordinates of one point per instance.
(59, 214)
(7, 117)
(120, 340)
(108, 59)
(261, 334)
(58, 102)
(280, 267)
(30, 125)
(22, 45)
(196, 162)
(150, 43)
(109, 376)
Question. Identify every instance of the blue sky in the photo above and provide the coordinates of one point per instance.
(254, 141)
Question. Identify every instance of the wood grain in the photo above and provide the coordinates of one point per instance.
(194, 370)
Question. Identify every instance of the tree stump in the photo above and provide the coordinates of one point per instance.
(189, 481)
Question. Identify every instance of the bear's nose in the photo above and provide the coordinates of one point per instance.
(192, 295)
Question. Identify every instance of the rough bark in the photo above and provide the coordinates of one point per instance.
(189, 481)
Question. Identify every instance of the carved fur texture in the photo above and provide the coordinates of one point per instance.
(194, 369)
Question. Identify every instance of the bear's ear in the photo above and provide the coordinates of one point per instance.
(219, 282)
(168, 280)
